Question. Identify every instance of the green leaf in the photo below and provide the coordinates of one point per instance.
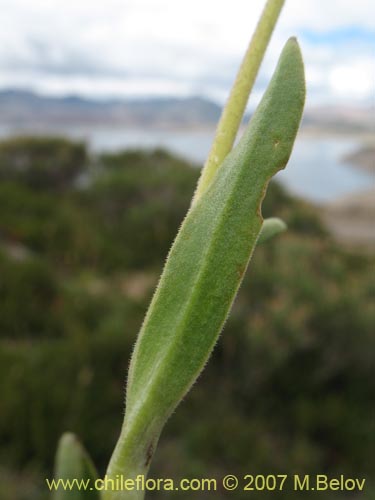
(204, 270)
(73, 462)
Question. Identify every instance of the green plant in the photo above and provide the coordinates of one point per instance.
(208, 259)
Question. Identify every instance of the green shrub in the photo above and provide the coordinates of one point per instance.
(42, 163)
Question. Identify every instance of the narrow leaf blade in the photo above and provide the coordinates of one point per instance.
(205, 268)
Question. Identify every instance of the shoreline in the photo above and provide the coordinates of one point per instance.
(350, 220)
(365, 134)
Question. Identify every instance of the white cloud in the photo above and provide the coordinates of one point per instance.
(331, 14)
(355, 81)
(163, 46)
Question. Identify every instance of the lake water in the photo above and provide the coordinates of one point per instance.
(315, 171)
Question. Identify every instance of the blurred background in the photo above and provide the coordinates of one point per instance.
(107, 112)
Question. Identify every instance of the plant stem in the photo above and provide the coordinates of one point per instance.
(232, 114)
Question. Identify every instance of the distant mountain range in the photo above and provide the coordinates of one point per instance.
(23, 109)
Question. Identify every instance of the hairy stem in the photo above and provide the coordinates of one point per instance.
(231, 117)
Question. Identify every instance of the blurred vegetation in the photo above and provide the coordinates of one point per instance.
(290, 386)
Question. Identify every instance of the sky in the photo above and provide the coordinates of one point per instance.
(143, 48)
